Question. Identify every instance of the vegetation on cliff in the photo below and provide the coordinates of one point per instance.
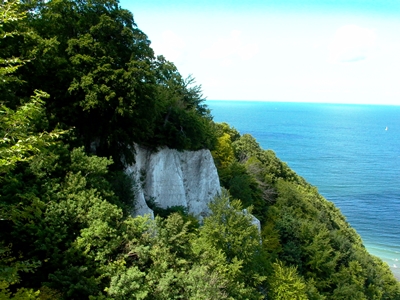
(311, 251)
(79, 84)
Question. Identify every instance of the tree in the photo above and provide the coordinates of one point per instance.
(104, 89)
(103, 80)
(10, 269)
(183, 121)
(225, 128)
(9, 14)
(223, 154)
(230, 230)
(20, 140)
(286, 284)
(245, 147)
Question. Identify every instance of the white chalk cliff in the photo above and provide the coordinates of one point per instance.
(174, 178)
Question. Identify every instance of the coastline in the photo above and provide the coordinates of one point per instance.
(386, 255)
(351, 138)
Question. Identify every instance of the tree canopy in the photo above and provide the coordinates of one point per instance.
(103, 79)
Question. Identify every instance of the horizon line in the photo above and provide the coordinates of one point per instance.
(308, 102)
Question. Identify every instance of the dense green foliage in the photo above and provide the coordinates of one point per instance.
(103, 79)
(79, 85)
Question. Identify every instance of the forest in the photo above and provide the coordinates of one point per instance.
(79, 86)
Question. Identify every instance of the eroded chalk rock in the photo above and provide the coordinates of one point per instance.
(254, 221)
(173, 178)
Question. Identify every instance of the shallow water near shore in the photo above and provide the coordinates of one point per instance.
(351, 153)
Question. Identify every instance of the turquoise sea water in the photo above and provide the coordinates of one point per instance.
(350, 152)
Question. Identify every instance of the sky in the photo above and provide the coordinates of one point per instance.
(333, 51)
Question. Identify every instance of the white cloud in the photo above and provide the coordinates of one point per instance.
(171, 46)
(228, 49)
(352, 43)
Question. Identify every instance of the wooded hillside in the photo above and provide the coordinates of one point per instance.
(79, 85)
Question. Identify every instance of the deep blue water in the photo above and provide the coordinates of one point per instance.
(350, 152)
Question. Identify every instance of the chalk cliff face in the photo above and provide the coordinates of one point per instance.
(172, 178)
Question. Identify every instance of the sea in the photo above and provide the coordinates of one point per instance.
(351, 153)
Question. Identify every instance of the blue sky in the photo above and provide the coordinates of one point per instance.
(288, 50)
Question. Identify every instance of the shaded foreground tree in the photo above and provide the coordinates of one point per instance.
(96, 65)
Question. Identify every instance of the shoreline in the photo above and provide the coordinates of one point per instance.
(387, 256)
